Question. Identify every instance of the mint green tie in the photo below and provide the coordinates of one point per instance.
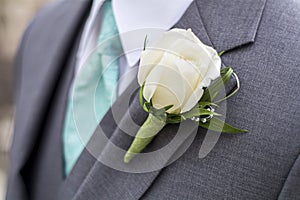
(94, 91)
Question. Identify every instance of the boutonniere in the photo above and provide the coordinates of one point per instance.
(180, 77)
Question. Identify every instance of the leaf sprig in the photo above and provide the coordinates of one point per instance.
(202, 109)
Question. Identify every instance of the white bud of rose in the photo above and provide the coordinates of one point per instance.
(175, 70)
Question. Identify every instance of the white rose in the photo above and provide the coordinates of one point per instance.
(175, 70)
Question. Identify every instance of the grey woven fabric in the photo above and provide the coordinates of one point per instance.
(262, 40)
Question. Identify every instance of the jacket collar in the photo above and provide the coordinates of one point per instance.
(231, 24)
(225, 26)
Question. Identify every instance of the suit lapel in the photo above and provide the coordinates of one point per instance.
(231, 24)
(43, 60)
(93, 179)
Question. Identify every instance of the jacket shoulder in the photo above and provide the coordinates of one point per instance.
(49, 14)
(51, 23)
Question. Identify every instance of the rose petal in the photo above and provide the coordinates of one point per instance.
(192, 100)
(149, 59)
(171, 88)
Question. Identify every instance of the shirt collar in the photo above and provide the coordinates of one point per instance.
(137, 18)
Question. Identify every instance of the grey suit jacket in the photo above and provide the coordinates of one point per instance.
(262, 42)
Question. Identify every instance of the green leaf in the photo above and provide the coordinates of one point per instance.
(147, 106)
(218, 125)
(206, 103)
(221, 53)
(173, 121)
(141, 100)
(145, 42)
(173, 118)
(233, 92)
(173, 115)
(212, 91)
(195, 112)
(168, 107)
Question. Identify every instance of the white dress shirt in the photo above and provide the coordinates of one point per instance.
(135, 19)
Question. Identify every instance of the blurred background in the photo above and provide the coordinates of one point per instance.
(14, 17)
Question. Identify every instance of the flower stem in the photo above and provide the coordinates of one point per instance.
(145, 135)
